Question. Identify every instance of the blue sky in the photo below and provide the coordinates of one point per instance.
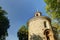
(19, 11)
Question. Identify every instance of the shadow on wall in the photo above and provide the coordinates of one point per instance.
(36, 37)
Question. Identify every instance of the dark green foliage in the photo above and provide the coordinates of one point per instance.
(23, 33)
(36, 37)
(2, 12)
(4, 24)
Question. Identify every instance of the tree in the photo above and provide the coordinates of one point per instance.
(53, 9)
(56, 30)
(4, 24)
(23, 33)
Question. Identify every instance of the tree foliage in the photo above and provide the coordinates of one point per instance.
(4, 24)
(23, 33)
(53, 9)
(35, 37)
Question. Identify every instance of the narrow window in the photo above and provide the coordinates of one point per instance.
(44, 23)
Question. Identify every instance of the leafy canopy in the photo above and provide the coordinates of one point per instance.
(23, 33)
(53, 9)
(4, 24)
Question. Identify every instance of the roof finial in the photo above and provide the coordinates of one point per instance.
(37, 10)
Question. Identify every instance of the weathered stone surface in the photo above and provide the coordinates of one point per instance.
(37, 26)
